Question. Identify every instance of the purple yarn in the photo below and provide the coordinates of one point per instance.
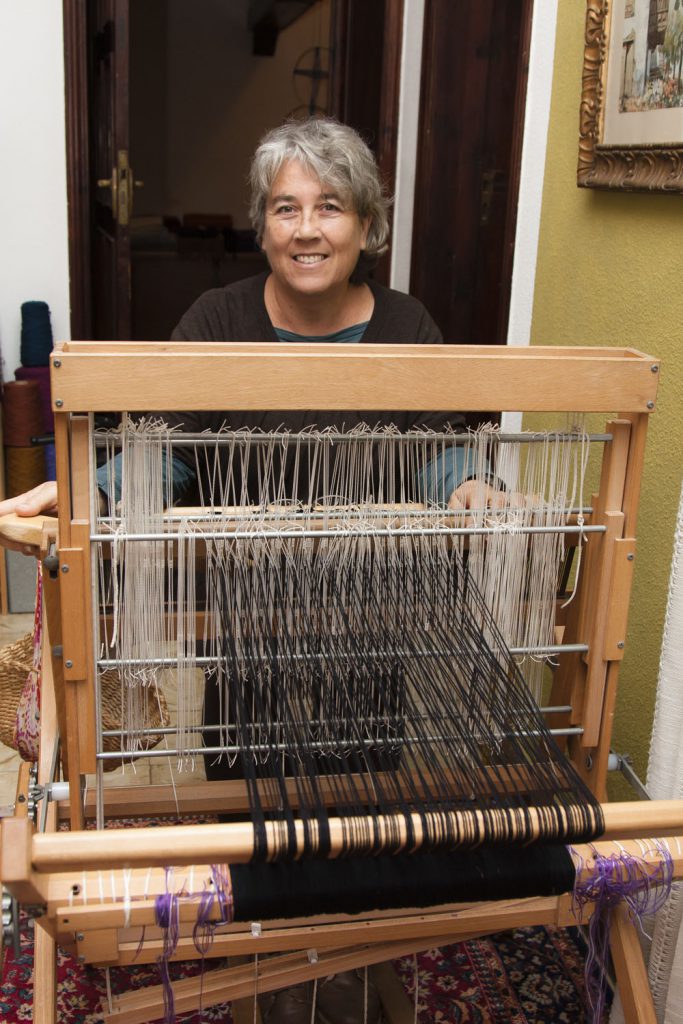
(613, 879)
(218, 891)
(167, 914)
(50, 462)
(223, 883)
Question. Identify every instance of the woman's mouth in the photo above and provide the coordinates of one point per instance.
(310, 258)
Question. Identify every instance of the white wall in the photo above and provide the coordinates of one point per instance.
(406, 147)
(536, 117)
(33, 212)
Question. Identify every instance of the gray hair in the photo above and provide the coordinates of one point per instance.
(337, 155)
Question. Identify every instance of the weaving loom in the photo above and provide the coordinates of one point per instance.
(371, 690)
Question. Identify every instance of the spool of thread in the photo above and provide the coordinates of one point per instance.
(36, 334)
(41, 374)
(50, 462)
(23, 415)
(24, 469)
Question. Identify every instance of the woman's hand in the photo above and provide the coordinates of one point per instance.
(40, 500)
(475, 494)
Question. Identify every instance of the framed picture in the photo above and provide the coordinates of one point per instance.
(631, 122)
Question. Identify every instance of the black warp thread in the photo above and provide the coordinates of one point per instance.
(377, 690)
(289, 889)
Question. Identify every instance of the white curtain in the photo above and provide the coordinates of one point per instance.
(665, 782)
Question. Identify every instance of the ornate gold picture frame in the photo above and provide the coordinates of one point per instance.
(631, 120)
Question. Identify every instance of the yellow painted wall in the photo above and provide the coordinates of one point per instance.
(610, 271)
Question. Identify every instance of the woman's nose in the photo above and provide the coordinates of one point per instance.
(308, 225)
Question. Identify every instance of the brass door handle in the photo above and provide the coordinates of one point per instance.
(111, 183)
(121, 191)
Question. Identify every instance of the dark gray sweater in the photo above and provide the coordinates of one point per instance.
(238, 313)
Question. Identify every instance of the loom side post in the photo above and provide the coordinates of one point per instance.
(609, 498)
(592, 763)
(597, 608)
(52, 711)
(52, 666)
(629, 966)
(589, 683)
(44, 978)
(625, 559)
(619, 493)
(596, 675)
(634, 471)
(72, 440)
(70, 749)
(16, 866)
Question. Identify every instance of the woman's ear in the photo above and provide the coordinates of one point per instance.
(365, 223)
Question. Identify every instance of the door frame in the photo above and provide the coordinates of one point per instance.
(78, 155)
(521, 90)
(78, 164)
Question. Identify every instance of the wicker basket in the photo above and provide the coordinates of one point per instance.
(16, 661)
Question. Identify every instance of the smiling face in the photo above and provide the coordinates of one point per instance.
(312, 236)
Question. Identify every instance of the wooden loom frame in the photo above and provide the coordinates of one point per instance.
(40, 869)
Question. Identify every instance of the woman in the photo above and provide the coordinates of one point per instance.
(321, 218)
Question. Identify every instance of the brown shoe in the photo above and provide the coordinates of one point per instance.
(288, 1006)
(342, 999)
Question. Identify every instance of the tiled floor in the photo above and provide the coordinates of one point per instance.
(142, 772)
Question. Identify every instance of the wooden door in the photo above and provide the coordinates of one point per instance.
(112, 182)
(472, 110)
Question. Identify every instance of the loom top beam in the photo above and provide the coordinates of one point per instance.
(89, 377)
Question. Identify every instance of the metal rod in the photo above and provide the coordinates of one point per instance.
(202, 661)
(551, 649)
(441, 531)
(102, 440)
(373, 744)
(171, 730)
(315, 515)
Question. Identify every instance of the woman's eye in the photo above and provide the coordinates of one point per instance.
(330, 207)
(284, 209)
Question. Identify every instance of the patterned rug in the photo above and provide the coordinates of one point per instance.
(528, 976)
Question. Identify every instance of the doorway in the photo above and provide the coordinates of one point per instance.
(200, 98)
